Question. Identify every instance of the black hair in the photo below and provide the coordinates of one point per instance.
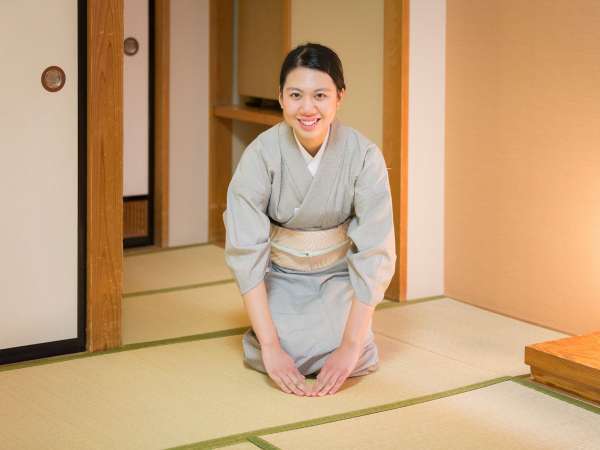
(314, 56)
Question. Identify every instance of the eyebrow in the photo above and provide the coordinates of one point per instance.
(316, 90)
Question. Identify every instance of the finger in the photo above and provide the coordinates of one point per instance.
(289, 380)
(299, 375)
(319, 381)
(283, 386)
(324, 381)
(293, 384)
(338, 384)
(316, 384)
(277, 379)
(330, 384)
(301, 381)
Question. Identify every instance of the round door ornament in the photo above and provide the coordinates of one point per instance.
(131, 46)
(53, 78)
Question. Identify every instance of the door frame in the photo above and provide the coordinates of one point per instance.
(160, 64)
(157, 199)
(105, 36)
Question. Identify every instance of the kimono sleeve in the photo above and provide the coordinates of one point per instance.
(247, 226)
(372, 266)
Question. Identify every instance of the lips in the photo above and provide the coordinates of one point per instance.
(309, 124)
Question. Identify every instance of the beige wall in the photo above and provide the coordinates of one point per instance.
(357, 37)
(188, 133)
(523, 161)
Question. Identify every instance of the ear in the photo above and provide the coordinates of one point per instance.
(280, 96)
(340, 96)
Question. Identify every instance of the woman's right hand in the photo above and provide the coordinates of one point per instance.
(280, 367)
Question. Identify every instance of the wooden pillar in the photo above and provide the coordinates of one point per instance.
(395, 129)
(162, 18)
(220, 129)
(104, 173)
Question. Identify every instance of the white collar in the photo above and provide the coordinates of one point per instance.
(307, 156)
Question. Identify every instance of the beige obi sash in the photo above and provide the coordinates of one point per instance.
(308, 251)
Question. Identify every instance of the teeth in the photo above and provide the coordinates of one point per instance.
(312, 122)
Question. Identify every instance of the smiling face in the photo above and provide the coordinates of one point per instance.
(309, 100)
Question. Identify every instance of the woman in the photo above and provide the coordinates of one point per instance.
(310, 234)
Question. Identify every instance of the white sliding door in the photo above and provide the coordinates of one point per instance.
(39, 173)
(135, 100)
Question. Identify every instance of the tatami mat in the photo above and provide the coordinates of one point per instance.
(466, 333)
(491, 341)
(199, 392)
(502, 416)
(183, 313)
(168, 395)
(174, 268)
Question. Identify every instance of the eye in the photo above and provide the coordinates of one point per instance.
(295, 95)
(321, 96)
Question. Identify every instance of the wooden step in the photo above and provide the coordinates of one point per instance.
(572, 364)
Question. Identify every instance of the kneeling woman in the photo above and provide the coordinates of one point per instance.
(310, 234)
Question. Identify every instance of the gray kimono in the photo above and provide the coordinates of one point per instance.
(310, 309)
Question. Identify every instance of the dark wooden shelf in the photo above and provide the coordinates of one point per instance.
(249, 114)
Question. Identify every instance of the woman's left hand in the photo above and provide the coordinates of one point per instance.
(337, 367)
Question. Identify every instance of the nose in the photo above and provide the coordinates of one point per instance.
(307, 106)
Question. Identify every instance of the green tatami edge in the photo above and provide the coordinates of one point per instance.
(394, 303)
(176, 340)
(261, 443)
(525, 380)
(241, 437)
(124, 348)
(253, 436)
(168, 249)
(177, 288)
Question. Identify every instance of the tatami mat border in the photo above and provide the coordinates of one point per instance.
(178, 288)
(525, 380)
(124, 348)
(261, 443)
(241, 437)
(167, 249)
(393, 303)
(193, 337)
